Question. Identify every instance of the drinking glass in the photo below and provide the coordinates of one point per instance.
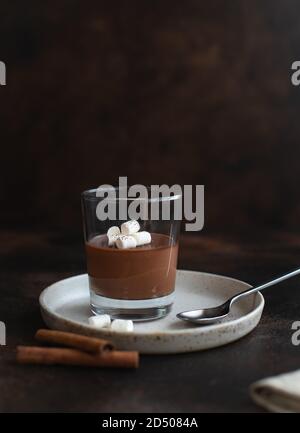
(134, 283)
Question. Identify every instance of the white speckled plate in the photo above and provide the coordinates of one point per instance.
(65, 306)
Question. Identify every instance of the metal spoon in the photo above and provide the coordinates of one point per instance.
(207, 316)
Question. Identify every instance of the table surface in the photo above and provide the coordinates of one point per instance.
(213, 381)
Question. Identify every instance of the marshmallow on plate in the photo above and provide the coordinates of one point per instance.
(130, 227)
(120, 325)
(142, 238)
(101, 321)
(125, 242)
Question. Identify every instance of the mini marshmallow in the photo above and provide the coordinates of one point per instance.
(120, 325)
(101, 321)
(112, 240)
(125, 242)
(130, 227)
(142, 238)
(113, 231)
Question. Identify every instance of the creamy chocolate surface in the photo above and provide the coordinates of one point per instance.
(143, 272)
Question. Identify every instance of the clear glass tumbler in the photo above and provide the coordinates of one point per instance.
(135, 283)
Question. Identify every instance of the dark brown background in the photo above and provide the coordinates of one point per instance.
(161, 91)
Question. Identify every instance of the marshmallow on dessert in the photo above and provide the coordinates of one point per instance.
(130, 227)
(101, 321)
(129, 236)
(125, 242)
(112, 240)
(120, 325)
(113, 231)
(142, 238)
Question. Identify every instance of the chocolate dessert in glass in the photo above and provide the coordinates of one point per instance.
(131, 264)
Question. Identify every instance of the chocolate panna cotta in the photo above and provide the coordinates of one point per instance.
(144, 272)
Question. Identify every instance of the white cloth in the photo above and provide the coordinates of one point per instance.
(279, 393)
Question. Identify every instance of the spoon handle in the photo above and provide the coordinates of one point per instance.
(265, 285)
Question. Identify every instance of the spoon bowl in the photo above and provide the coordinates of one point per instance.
(205, 316)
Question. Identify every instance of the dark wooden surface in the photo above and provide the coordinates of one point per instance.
(212, 381)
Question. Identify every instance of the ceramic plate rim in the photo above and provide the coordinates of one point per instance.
(187, 331)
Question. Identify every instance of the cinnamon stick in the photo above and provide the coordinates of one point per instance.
(61, 356)
(81, 342)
